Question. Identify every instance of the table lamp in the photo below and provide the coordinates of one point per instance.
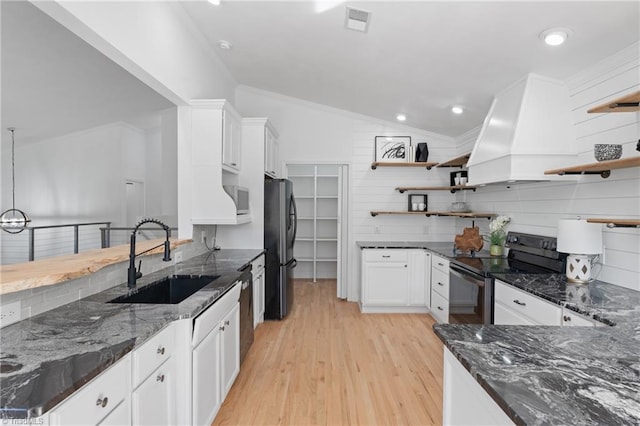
(582, 241)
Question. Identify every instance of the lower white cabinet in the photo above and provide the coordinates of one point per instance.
(153, 402)
(257, 271)
(104, 400)
(395, 280)
(216, 356)
(516, 307)
(440, 289)
(465, 402)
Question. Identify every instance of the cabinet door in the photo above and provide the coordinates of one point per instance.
(206, 379)
(270, 155)
(231, 140)
(418, 294)
(229, 349)
(153, 401)
(258, 298)
(119, 416)
(505, 316)
(385, 283)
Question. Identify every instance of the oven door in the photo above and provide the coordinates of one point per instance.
(470, 297)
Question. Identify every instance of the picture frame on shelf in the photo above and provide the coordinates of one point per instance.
(393, 149)
(417, 202)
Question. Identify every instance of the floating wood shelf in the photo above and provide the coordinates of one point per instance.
(602, 168)
(460, 161)
(377, 164)
(628, 103)
(617, 223)
(453, 189)
(430, 213)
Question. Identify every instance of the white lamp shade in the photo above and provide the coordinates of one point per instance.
(577, 236)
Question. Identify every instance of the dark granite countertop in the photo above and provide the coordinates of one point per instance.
(45, 358)
(559, 375)
(442, 248)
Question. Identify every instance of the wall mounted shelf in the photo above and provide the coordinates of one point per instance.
(453, 189)
(602, 168)
(430, 213)
(617, 223)
(628, 103)
(377, 164)
(460, 161)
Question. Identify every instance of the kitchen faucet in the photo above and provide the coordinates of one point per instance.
(132, 273)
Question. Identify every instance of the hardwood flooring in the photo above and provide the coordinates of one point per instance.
(328, 364)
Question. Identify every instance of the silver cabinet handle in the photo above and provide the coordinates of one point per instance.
(222, 328)
(440, 264)
(405, 266)
(386, 256)
(566, 318)
(439, 308)
(233, 164)
(102, 402)
(226, 322)
(160, 350)
(517, 302)
(440, 284)
(160, 378)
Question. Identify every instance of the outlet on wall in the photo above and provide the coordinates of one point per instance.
(9, 313)
(177, 258)
(376, 230)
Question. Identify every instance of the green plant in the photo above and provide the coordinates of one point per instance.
(497, 235)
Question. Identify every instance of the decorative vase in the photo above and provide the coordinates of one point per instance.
(495, 250)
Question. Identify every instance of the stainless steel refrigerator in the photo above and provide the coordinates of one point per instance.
(280, 225)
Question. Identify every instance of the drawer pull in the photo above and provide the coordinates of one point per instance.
(517, 302)
(234, 164)
(440, 264)
(160, 378)
(566, 318)
(386, 256)
(222, 328)
(102, 402)
(226, 322)
(160, 350)
(439, 308)
(440, 284)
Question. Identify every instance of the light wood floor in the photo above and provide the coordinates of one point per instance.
(328, 364)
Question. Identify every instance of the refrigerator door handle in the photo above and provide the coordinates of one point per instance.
(293, 211)
(292, 263)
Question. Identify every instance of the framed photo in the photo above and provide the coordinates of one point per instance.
(393, 149)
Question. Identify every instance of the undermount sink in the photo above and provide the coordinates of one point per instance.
(170, 290)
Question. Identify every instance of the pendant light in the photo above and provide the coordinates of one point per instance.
(13, 220)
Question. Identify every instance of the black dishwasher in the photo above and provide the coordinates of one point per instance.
(246, 313)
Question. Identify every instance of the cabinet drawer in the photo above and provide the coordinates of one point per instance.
(210, 318)
(257, 265)
(439, 308)
(385, 255)
(440, 263)
(95, 400)
(540, 311)
(440, 282)
(152, 353)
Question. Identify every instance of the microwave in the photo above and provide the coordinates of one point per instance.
(240, 196)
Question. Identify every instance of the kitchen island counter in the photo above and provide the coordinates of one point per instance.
(45, 358)
(559, 375)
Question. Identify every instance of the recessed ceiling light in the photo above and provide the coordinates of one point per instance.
(215, 2)
(401, 117)
(555, 36)
(456, 109)
(224, 44)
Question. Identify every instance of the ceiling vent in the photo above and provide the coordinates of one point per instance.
(357, 20)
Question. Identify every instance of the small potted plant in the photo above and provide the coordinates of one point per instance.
(497, 236)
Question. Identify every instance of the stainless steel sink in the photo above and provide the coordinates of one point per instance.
(170, 290)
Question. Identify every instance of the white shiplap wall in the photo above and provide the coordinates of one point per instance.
(536, 207)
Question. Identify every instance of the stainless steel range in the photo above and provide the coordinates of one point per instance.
(471, 281)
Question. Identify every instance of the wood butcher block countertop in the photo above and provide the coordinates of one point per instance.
(54, 270)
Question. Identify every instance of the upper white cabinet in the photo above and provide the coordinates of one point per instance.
(271, 152)
(212, 147)
(231, 139)
(395, 280)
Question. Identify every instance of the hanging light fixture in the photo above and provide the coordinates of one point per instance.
(13, 220)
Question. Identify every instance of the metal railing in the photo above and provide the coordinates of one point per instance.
(76, 233)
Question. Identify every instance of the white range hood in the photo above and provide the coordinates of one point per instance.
(529, 129)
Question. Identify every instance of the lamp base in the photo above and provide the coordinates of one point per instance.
(579, 268)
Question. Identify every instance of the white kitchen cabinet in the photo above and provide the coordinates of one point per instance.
(440, 289)
(394, 280)
(257, 271)
(271, 151)
(216, 355)
(106, 395)
(516, 307)
(231, 139)
(153, 398)
(573, 319)
(465, 401)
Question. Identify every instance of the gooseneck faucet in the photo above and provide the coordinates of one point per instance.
(132, 273)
